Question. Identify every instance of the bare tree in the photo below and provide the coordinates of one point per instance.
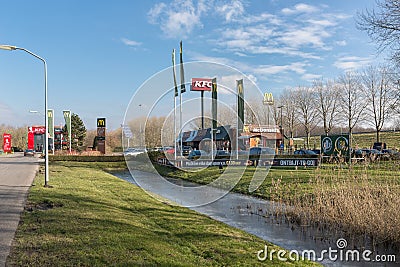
(327, 97)
(352, 101)
(383, 26)
(379, 93)
(289, 110)
(306, 109)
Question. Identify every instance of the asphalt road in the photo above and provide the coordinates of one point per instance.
(16, 176)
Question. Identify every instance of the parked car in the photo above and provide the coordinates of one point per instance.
(186, 150)
(372, 154)
(134, 151)
(304, 152)
(222, 154)
(260, 151)
(196, 154)
(255, 153)
(16, 149)
(316, 151)
(357, 153)
(29, 152)
(169, 150)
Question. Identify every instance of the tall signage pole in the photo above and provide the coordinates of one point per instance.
(240, 111)
(183, 89)
(175, 95)
(67, 118)
(101, 135)
(50, 118)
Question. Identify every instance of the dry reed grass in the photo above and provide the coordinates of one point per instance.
(363, 200)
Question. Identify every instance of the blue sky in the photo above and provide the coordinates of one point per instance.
(99, 52)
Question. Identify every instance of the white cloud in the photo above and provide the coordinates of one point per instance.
(300, 8)
(341, 43)
(297, 67)
(311, 77)
(179, 18)
(352, 62)
(130, 42)
(231, 11)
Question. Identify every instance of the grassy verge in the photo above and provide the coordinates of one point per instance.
(91, 218)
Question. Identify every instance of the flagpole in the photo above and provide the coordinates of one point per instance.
(174, 127)
(175, 95)
(180, 124)
(183, 89)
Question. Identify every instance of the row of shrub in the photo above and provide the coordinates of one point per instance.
(80, 158)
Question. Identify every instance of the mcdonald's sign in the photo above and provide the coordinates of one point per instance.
(268, 99)
(101, 122)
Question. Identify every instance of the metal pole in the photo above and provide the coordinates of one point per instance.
(180, 124)
(202, 109)
(174, 126)
(46, 139)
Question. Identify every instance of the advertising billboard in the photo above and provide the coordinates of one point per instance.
(335, 145)
(7, 143)
(201, 84)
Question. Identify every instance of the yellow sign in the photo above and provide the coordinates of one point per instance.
(101, 122)
(268, 99)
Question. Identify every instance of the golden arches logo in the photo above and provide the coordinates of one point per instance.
(101, 122)
(67, 114)
(268, 99)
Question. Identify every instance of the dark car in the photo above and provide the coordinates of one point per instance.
(196, 154)
(186, 150)
(392, 154)
(357, 153)
(304, 152)
(29, 152)
(222, 154)
(260, 151)
(16, 149)
(372, 154)
(316, 151)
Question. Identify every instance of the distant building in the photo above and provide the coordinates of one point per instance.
(225, 137)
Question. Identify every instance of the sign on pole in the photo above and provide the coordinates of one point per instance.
(335, 145)
(268, 99)
(7, 143)
(67, 118)
(101, 135)
(50, 123)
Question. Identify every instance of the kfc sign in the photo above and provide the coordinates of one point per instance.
(201, 84)
(37, 129)
(7, 143)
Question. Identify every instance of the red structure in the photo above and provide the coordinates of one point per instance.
(36, 135)
(7, 143)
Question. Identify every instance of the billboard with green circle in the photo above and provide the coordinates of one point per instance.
(335, 145)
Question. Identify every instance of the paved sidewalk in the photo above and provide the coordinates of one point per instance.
(16, 177)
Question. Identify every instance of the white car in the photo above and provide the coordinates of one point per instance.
(134, 151)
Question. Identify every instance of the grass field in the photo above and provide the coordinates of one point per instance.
(91, 218)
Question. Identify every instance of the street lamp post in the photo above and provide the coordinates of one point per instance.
(281, 127)
(11, 48)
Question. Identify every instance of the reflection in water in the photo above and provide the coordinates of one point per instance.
(255, 216)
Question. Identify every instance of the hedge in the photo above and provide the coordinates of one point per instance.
(86, 158)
